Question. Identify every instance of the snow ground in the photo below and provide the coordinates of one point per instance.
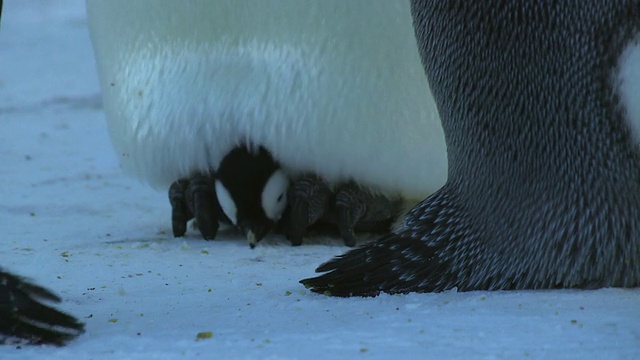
(72, 221)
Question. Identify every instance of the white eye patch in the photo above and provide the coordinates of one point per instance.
(226, 203)
(274, 195)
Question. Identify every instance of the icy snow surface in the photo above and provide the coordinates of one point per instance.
(72, 221)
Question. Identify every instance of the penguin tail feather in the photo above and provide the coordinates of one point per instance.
(403, 261)
(393, 264)
(24, 315)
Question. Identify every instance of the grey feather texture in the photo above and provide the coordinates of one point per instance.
(544, 173)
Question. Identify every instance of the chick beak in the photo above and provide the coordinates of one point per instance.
(254, 234)
(253, 240)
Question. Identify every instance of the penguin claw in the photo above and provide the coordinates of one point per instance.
(346, 223)
(194, 198)
(180, 213)
(350, 209)
(24, 316)
(203, 205)
(297, 222)
(312, 204)
(360, 209)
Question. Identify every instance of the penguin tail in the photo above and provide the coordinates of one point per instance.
(375, 267)
(412, 259)
(23, 314)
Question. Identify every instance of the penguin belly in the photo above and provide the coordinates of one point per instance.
(334, 88)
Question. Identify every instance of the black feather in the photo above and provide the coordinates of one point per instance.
(24, 315)
(544, 173)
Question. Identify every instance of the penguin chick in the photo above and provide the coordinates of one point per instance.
(24, 316)
(349, 207)
(251, 189)
(544, 171)
(248, 190)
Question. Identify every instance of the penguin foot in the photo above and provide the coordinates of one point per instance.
(309, 198)
(24, 316)
(194, 198)
(350, 208)
(369, 212)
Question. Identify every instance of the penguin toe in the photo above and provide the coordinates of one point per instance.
(180, 213)
(350, 208)
(23, 314)
(297, 222)
(309, 200)
(349, 237)
(359, 209)
(194, 198)
(202, 201)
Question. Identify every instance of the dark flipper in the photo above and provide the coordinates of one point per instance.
(194, 198)
(24, 316)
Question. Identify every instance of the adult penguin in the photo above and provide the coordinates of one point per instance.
(331, 88)
(539, 104)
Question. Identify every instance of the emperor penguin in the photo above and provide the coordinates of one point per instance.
(332, 88)
(540, 109)
(24, 315)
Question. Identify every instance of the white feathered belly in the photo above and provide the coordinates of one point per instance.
(330, 87)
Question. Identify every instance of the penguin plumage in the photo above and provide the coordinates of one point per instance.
(24, 314)
(543, 189)
(251, 190)
(334, 88)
